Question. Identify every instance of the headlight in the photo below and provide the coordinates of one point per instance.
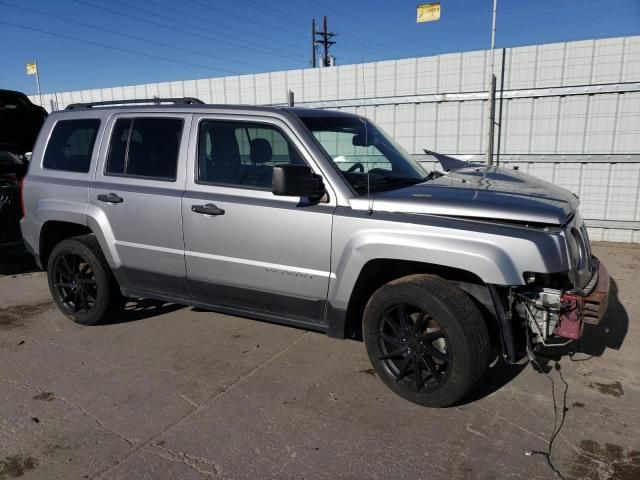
(578, 249)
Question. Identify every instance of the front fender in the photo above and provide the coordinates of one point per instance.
(496, 254)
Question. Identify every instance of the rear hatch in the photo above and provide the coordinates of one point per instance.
(20, 122)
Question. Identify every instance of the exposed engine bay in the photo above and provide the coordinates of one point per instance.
(555, 317)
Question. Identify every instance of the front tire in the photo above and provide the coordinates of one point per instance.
(81, 281)
(426, 339)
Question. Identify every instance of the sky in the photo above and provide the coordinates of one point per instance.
(81, 44)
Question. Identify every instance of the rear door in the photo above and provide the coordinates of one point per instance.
(247, 249)
(138, 189)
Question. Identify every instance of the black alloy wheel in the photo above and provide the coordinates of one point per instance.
(413, 348)
(75, 283)
(426, 339)
(81, 281)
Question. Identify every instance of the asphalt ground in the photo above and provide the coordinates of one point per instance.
(172, 392)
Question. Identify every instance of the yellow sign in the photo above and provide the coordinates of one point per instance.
(428, 12)
(32, 68)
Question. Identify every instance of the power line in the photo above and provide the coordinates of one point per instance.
(222, 25)
(243, 18)
(111, 47)
(187, 32)
(245, 43)
(270, 10)
(286, 16)
(126, 35)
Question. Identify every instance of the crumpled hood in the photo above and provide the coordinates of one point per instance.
(484, 192)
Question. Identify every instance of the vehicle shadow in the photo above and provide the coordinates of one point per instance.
(496, 377)
(15, 260)
(609, 334)
(135, 309)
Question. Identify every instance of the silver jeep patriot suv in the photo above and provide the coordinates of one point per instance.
(315, 219)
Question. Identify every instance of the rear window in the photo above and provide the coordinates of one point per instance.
(71, 145)
(145, 147)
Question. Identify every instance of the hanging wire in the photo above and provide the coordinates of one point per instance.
(557, 426)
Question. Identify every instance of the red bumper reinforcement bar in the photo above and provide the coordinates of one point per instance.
(588, 309)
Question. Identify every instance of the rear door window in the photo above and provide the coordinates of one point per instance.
(71, 145)
(145, 147)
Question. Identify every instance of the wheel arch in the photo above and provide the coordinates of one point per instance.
(347, 323)
(58, 227)
(55, 231)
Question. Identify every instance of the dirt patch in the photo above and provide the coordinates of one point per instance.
(14, 466)
(596, 461)
(11, 317)
(614, 389)
(48, 396)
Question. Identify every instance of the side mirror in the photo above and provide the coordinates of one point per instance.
(296, 181)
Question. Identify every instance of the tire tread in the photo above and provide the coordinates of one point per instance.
(471, 327)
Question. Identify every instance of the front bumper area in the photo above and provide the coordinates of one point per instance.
(596, 302)
(588, 306)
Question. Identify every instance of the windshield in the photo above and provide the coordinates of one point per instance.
(366, 156)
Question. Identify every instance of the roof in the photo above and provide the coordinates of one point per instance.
(195, 104)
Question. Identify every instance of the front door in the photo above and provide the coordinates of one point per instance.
(246, 249)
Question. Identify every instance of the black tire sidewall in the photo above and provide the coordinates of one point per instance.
(461, 375)
(99, 311)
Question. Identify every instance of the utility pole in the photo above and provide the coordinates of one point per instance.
(492, 92)
(325, 41)
(313, 43)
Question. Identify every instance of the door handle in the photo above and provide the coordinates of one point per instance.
(208, 209)
(110, 198)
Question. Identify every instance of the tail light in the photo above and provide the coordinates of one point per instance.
(24, 212)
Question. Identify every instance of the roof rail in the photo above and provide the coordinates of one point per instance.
(138, 101)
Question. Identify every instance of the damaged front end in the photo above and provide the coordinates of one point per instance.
(555, 307)
(554, 317)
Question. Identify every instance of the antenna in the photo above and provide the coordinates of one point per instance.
(366, 132)
(313, 43)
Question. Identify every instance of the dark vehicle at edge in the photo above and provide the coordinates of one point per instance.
(20, 122)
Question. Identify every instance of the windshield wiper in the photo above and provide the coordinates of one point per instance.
(400, 180)
(390, 181)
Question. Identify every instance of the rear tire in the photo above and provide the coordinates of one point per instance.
(81, 281)
(426, 339)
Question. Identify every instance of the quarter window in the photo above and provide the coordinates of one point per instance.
(71, 145)
(145, 147)
(242, 154)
